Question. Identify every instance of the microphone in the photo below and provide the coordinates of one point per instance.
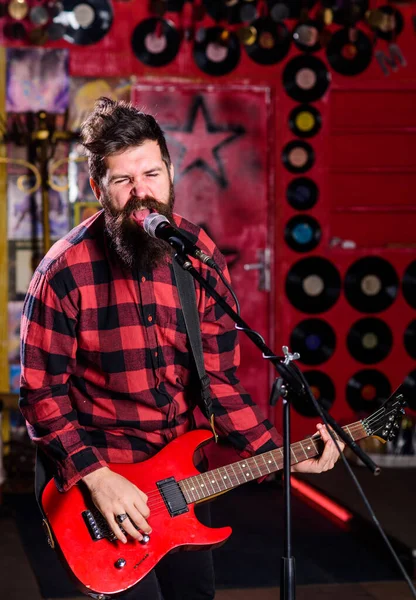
(159, 227)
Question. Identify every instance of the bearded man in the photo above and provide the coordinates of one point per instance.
(107, 375)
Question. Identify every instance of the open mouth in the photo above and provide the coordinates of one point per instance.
(140, 214)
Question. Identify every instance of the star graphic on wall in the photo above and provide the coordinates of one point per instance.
(201, 142)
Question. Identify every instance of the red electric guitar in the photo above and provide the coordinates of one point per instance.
(102, 566)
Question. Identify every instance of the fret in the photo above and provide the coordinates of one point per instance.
(213, 479)
(192, 487)
(225, 478)
(314, 446)
(208, 482)
(349, 432)
(201, 485)
(277, 466)
(245, 468)
(241, 469)
(186, 483)
(294, 454)
(250, 468)
(218, 475)
(235, 474)
(301, 445)
(264, 460)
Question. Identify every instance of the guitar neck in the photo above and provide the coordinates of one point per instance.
(217, 481)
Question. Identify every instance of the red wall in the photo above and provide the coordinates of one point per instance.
(364, 169)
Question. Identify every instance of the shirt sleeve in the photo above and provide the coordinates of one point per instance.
(48, 354)
(236, 415)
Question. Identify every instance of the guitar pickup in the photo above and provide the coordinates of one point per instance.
(172, 495)
(98, 526)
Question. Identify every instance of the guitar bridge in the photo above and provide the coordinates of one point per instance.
(172, 495)
(97, 525)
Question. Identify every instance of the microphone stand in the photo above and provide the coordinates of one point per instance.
(290, 381)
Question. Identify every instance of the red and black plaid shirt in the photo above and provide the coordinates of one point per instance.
(106, 369)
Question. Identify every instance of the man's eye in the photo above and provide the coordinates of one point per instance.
(153, 174)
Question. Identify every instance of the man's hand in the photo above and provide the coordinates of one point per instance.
(327, 459)
(115, 495)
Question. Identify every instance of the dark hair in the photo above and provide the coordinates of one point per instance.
(116, 126)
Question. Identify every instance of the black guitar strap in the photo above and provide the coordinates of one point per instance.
(186, 289)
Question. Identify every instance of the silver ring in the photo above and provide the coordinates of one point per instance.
(121, 518)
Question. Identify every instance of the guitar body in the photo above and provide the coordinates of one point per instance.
(93, 562)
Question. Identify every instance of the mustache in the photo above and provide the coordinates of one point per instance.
(135, 203)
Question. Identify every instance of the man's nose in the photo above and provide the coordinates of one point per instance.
(138, 190)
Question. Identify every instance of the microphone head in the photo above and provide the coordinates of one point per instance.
(152, 221)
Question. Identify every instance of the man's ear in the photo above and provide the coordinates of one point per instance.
(171, 172)
(96, 189)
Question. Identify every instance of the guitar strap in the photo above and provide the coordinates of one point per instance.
(186, 290)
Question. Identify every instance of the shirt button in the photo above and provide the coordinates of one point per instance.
(150, 318)
(143, 279)
(155, 353)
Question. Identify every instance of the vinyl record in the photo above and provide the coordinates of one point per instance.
(410, 389)
(298, 156)
(290, 9)
(272, 42)
(305, 121)
(391, 23)
(155, 42)
(349, 51)
(347, 13)
(302, 233)
(55, 31)
(302, 193)
(313, 285)
(216, 51)
(306, 78)
(409, 284)
(15, 31)
(228, 11)
(85, 22)
(315, 341)
(306, 35)
(371, 284)
(323, 390)
(410, 339)
(369, 340)
(367, 390)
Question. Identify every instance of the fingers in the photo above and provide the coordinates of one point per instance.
(330, 454)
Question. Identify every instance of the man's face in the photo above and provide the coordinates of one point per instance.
(136, 183)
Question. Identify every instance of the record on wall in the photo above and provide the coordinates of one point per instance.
(302, 193)
(272, 42)
(298, 156)
(410, 387)
(323, 390)
(409, 284)
(306, 35)
(349, 52)
(305, 121)
(216, 50)
(410, 339)
(155, 42)
(313, 285)
(289, 9)
(367, 390)
(371, 284)
(231, 11)
(347, 12)
(305, 78)
(387, 21)
(370, 340)
(315, 341)
(302, 233)
(85, 22)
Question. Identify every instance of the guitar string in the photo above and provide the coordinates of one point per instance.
(158, 506)
(156, 500)
(297, 446)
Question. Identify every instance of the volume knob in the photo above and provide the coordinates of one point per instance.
(120, 563)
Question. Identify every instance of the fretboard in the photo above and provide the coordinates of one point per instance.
(217, 481)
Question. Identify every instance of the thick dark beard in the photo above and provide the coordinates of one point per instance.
(135, 248)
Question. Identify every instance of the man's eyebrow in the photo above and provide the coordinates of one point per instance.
(153, 169)
(118, 176)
